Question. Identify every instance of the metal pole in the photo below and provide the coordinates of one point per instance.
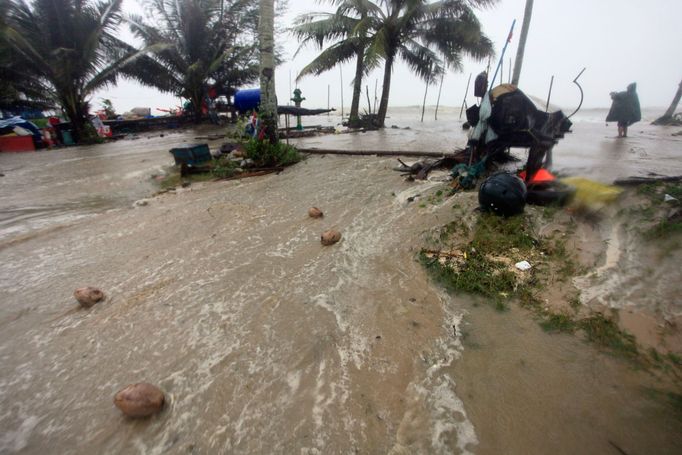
(549, 95)
(582, 95)
(510, 67)
(504, 49)
(501, 71)
(440, 89)
(464, 101)
(289, 100)
(329, 91)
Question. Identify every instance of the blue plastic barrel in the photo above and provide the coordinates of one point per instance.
(247, 100)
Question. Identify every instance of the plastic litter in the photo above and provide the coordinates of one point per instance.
(523, 265)
(669, 198)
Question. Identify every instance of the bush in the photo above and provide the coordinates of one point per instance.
(223, 168)
(265, 154)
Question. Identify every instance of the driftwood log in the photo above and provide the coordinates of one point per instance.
(642, 180)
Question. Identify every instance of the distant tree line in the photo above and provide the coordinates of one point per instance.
(57, 53)
(429, 36)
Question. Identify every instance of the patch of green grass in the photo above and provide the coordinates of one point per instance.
(663, 230)
(649, 189)
(574, 301)
(671, 399)
(223, 167)
(606, 333)
(265, 154)
(675, 359)
(550, 211)
(528, 298)
(495, 234)
(478, 275)
(558, 323)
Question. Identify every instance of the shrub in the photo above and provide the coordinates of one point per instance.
(265, 154)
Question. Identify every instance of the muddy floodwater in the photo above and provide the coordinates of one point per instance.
(264, 340)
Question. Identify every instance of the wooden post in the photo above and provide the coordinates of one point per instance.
(376, 82)
(369, 103)
(440, 89)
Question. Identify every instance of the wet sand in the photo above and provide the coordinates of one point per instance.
(267, 342)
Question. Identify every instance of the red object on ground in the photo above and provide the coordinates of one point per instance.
(541, 176)
(17, 144)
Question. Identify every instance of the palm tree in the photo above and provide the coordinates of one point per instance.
(667, 118)
(268, 102)
(409, 29)
(518, 63)
(348, 26)
(68, 50)
(197, 41)
(18, 87)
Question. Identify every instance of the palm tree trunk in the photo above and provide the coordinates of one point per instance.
(522, 42)
(197, 102)
(385, 91)
(354, 119)
(74, 111)
(671, 110)
(268, 96)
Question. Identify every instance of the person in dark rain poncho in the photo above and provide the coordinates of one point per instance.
(625, 109)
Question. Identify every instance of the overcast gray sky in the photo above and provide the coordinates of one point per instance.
(618, 41)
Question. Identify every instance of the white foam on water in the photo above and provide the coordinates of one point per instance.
(13, 441)
(432, 403)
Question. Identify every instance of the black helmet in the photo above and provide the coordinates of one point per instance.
(503, 194)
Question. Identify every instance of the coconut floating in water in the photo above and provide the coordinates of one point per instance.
(330, 237)
(314, 212)
(88, 296)
(139, 400)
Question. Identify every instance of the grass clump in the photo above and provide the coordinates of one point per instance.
(606, 333)
(265, 154)
(477, 275)
(223, 168)
(558, 323)
(480, 273)
(494, 234)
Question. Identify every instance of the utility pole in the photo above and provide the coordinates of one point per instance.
(522, 42)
